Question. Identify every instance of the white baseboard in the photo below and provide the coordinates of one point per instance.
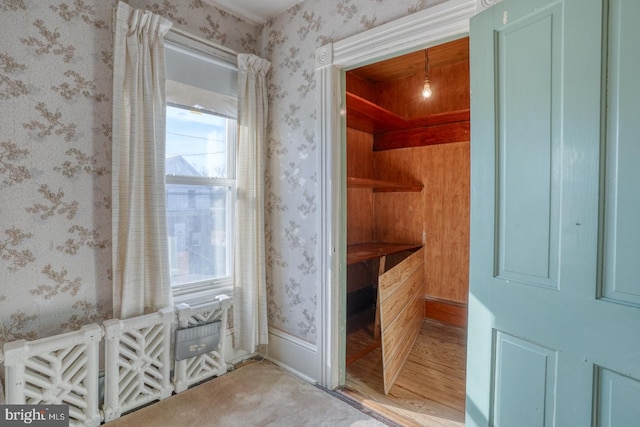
(293, 354)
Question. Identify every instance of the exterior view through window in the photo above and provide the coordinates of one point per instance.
(199, 188)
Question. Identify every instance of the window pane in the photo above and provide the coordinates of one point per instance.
(198, 228)
(196, 143)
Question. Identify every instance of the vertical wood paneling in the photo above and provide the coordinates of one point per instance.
(359, 215)
(398, 216)
(439, 215)
(359, 154)
(441, 211)
(360, 226)
(433, 176)
(453, 283)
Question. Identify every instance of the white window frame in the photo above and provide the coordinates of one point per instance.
(197, 292)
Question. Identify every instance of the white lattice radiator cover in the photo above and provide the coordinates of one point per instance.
(62, 369)
(199, 368)
(137, 366)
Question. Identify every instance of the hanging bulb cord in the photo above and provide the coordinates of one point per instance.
(426, 89)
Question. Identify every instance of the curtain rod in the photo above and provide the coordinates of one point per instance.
(182, 33)
(203, 41)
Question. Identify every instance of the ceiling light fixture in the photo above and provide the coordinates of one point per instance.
(426, 88)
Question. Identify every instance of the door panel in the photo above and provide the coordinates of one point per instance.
(525, 373)
(554, 304)
(618, 400)
(622, 233)
(528, 112)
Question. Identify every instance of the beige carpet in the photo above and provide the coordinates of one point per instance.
(258, 394)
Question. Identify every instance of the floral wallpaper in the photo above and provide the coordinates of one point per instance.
(55, 90)
(55, 144)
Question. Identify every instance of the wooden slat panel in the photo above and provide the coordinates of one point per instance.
(405, 333)
(400, 325)
(393, 279)
(397, 301)
(395, 331)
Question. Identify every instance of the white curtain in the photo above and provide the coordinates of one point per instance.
(249, 293)
(141, 281)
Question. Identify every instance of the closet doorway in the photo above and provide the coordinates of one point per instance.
(407, 222)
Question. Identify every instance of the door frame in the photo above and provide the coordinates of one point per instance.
(435, 25)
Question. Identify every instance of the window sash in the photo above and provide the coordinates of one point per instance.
(220, 284)
(229, 220)
(225, 60)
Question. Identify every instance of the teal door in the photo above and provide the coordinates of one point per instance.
(554, 305)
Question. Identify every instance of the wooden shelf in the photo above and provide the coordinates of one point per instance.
(368, 117)
(393, 131)
(371, 250)
(380, 186)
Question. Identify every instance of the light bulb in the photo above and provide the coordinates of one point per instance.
(426, 91)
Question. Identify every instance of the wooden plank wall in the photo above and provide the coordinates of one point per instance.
(359, 212)
(450, 229)
(450, 86)
(399, 217)
(442, 212)
(401, 313)
(359, 201)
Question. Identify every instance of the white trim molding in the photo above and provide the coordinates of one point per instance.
(435, 25)
(293, 354)
(484, 4)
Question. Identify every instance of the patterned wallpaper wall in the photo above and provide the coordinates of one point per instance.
(55, 137)
(55, 144)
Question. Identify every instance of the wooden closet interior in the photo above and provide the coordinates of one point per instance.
(407, 217)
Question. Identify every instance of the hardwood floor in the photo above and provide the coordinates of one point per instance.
(430, 389)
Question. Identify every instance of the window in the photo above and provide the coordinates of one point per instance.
(200, 168)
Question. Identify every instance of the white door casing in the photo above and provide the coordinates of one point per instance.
(432, 26)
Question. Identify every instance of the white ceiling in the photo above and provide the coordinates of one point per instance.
(254, 11)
